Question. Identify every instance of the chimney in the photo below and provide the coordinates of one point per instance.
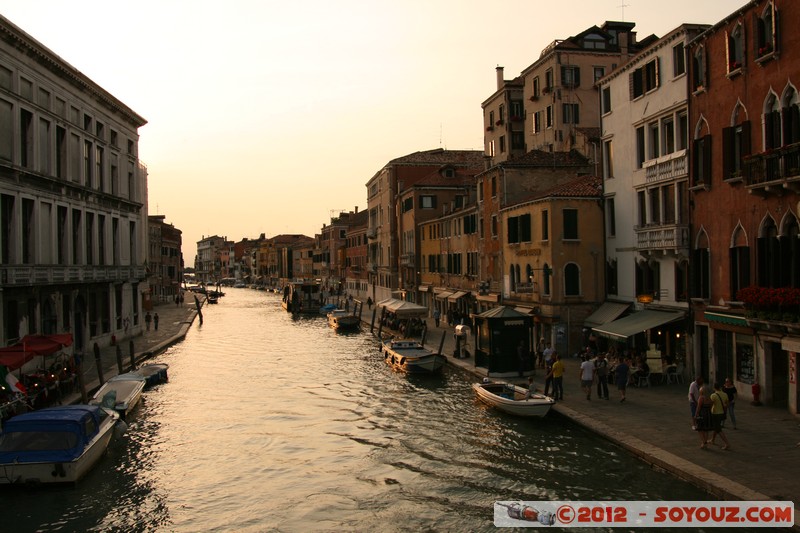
(356, 211)
(500, 81)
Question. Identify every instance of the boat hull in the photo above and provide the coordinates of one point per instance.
(511, 399)
(24, 472)
(411, 357)
(128, 394)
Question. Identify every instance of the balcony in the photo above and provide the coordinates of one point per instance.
(407, 260)
(662, 237)
(372, 233)
(774, 171)
(669, 167)
(21, 276)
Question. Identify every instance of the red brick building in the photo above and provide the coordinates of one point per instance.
(745, 176)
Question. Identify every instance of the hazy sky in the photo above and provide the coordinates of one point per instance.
(266, 116)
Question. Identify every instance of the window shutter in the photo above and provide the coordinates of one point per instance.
(577, 72)
(727, 152)
(630, 85)
(727, 52)
(658, 75)
(706, 81)
(758, 38)
(795, 131)
(745, 138)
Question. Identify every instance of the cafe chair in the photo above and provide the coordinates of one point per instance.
(675, 374)
(643, 380)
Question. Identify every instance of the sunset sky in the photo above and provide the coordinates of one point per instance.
(265, 116)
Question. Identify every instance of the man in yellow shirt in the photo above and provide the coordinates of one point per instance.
(557, 373)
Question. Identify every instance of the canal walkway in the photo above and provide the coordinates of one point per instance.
(653, 423)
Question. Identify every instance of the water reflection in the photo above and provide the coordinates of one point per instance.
(276, 422)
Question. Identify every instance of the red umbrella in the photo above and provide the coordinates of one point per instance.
(15, 356)
(46, 344)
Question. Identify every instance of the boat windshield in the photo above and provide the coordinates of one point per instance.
(18, 441)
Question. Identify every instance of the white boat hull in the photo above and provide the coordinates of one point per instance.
(61, 472)
(511, 399)
(129, 394)
(412, 357)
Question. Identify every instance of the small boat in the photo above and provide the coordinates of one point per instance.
(153, 374)
(212, 299)
(512, 399)
(341, 319)
(327, 308)
(121, 393)
(411, 356)
(54, 445)
(302, 297)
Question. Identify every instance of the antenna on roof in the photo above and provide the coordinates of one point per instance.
(440, 135)
(623, 6)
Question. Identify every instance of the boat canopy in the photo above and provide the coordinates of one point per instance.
(56, 434)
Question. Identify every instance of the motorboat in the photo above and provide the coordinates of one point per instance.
(153, 374)
(512, 399)
(411, 356)
(341, 319)
(121, 393)
(54, 445)
(302, 297)
(327, 308)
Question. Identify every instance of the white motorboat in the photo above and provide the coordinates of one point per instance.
(121, 393)
(513, 399)
(411, 356)
(341, 319)
(54, 445)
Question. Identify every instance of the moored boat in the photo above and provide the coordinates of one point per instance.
(341, 319)
(54, 445)
(512, 399)
(121, 393)
(153, 374)
(302, 297)
(411, 356)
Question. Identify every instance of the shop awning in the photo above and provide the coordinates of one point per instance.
(725, 318)
(526, 310)
(444, 295)
(456, 295)
(636, 323)
(490, 297)
(605, 313)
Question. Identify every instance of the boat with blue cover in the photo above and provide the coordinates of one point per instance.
(54, 445)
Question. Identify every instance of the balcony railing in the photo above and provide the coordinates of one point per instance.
(674, 165)
(372, 233)
(52, 274)
(773, 170)
(662, 237)
(407, 259)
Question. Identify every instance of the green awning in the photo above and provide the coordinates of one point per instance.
(733, 320)
(637, 323)
(605, 313)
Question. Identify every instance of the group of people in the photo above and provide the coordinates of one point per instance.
(709, 410)
(598, 369)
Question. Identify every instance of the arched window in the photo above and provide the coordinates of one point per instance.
(699, 69)
(765, 31)
(789, 243)
(739, 262)
(512, 277)
(572, 280)
(768, 254)
(701, 267)
(528, 274)
(546, 273)
(772, 122)
(791, 116)
(735, 143)
(736, 48)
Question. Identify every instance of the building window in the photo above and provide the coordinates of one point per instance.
(545, 226)
(606, 99)
(644, 79)
(517, 110)
(572, 280)
(652, 130)
(765, 31)
(599, 72)
(570, 224)
(546, 273)
(769, 256)
(736, 49)
(735, 146)
(536, 88)
(494, 226)
(502, 144)
(537, 122)
(701, 265)
(571, 113)
(682, 133)
(549, 117)
(668, 135)
(699, 69)
(611, 218)
(611, 276)
(701, 160)
(427, 202)
(608, 159)
(772, 123)
(570, 76)
(517, 140)
(548, 80)
(494, 186)
(678, 60)
(641, 153)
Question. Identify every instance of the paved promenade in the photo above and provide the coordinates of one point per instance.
(653, 423)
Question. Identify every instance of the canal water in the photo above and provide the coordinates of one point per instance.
(274, 423)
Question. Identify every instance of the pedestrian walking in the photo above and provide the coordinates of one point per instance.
(587, 376)
(601, 371)
(558, 377)
(437, 315)
(369, 302)
(729, 389)
(147, 320)
(694, 396)
(548, 376)
(521, 352)
(621, 378)
(702, 416)
(155, 321)
(719, 406)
